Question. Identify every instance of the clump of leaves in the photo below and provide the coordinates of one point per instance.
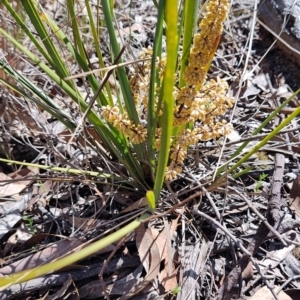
(148, 123)
(29, 224)
(160, 109)
(259, 183)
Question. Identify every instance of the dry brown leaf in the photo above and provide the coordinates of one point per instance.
(274, 258)
(9, 187)
(94, 289)
(25, 172)
(142, 248)
(34, 241)
(83, 223)
(295, 207)
(295, 195)
(161, 238)
(136, 205)
(167, 276)
(248, 271)
(14, 206)
(293, 293)
(295, 191)
(24, 115)
(265, 294)
(42, 192)
(149, 253)
(91, 134)
(169, 282)
(150, 258)
(8, 222)
(20, 236)
(295, 142)
(64, 292)
(52, 252)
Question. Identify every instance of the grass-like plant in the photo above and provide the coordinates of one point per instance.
(167, 107)
(164, 105)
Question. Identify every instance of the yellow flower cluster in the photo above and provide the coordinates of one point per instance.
(197, 104)
(139, 84)
(205, 42)
(202, 106)
(135, 133)
(140, 80)
(203, 110)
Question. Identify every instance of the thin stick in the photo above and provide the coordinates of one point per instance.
(105, 79)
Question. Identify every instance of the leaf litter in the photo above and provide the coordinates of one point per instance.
(183, 251)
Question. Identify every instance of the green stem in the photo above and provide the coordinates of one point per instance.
(263, 125)
(168, 101)
(190, 14)
(71, 258)
(265, 140)
(154, 82)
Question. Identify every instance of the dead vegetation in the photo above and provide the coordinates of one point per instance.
(236, 239)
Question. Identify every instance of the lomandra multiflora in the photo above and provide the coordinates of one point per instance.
(199, 104)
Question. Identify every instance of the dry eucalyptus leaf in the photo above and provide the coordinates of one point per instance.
(8, 222)
(9, 187)
(265, 294)
(295, 191)
(56, 250)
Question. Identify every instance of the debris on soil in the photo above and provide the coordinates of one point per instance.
(232, 239)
